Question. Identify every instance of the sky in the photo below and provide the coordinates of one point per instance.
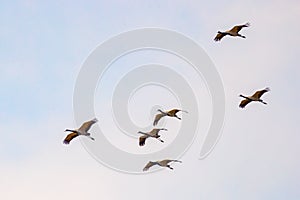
(43, 47)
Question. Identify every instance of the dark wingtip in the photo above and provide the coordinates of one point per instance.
(141, 144)
(66, 142)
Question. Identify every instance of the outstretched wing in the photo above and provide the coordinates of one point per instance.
(142, 140)
(157, 118)
(259, 93)
(87, 125)
(149, 164)
(70, 137)
(244, 103)
(219, 36)
(237, 28)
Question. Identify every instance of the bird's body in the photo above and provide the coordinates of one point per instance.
(170, 113)
(83, 130)
(153, 133)
(162, 163)
(232, 32)
(255, 97)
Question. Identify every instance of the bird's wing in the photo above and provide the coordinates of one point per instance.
(219, 36)
(142, 140)
(167, 161)
(157, 118)
(259, 93)
(149, 164)
(70, 137)
(173, 112)
(154, 131)
(237, 28)
(87, 125)
(244, 103)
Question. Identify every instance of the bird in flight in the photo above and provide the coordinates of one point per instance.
(170, 113)
(153, 133)
(83, 130)
(162, 163)
(232, 32)
(255, 97)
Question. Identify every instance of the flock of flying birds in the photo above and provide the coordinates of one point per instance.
(84, 128)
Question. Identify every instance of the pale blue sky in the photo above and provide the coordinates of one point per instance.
(43, 45)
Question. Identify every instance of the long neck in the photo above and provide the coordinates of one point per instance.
(177, 161)
(161, 111)
(74, 131)
(225, 33)
(249, 98)
(146, 134)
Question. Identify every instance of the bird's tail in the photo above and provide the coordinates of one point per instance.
(184, 111)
